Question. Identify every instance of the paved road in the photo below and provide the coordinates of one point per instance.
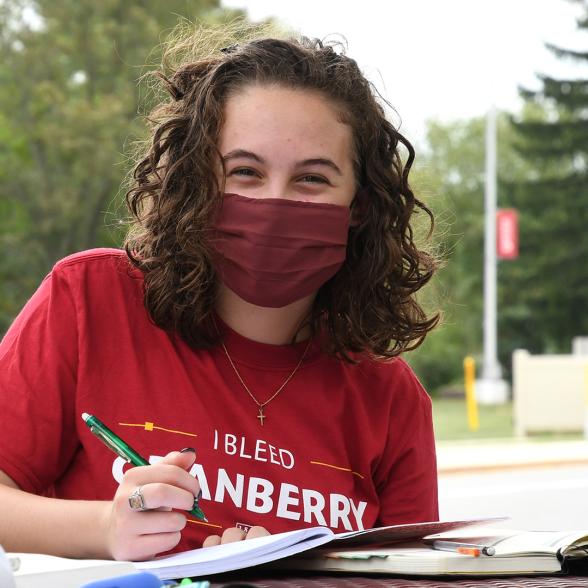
(554, 498)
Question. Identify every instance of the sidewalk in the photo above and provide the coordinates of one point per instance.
(454, 457)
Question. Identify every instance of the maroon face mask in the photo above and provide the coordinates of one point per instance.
(272, 251)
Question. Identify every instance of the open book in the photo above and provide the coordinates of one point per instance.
(513, 553)
(45, 571)
(252, 552)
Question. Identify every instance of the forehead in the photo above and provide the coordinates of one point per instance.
(273, 118)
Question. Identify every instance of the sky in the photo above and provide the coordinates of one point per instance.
(442, 59)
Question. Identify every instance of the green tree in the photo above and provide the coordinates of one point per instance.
(69, 103)
(550, 284)
(449, 176)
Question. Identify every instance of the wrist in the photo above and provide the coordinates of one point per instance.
(97, 518)
(103, 528)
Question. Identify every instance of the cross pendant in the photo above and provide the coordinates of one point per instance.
(261, 416)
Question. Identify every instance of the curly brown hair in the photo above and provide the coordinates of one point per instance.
(369, 305)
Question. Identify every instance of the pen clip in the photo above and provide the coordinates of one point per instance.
(110, 444)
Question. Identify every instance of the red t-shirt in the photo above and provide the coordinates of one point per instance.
(347, 446)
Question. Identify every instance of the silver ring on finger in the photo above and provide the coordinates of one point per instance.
(137, 500)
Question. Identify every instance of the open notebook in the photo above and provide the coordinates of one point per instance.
(244, 554)
(44, 571)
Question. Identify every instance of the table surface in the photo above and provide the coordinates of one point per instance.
(354, 581)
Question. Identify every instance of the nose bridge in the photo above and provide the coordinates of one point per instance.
(278, 184)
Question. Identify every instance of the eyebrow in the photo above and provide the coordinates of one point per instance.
(242, 153)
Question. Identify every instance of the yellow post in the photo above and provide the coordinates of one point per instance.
(586, 402)
(469, 370)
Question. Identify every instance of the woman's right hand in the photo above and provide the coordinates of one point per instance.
(142, 534)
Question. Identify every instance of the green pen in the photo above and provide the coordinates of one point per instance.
(114, 442)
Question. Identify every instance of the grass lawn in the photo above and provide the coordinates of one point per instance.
(451, 422)
(496, 422)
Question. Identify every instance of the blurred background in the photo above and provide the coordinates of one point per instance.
(71, 108)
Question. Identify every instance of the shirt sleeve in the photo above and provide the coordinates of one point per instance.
(38, 359)
(408, 493)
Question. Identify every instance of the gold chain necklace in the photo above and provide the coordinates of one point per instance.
(261, 405)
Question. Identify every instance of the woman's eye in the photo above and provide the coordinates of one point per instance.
(314, 179)
(244, 171)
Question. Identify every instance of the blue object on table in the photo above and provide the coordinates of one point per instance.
(135, 580)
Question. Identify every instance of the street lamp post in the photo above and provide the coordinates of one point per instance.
(490, 389)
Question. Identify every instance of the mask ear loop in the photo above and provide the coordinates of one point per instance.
(360, 206)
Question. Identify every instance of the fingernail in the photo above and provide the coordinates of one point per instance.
(186, 449)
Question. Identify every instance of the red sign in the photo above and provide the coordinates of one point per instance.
(507, 233)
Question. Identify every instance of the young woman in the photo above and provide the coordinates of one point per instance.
(256, 318)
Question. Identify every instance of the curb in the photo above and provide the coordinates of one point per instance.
(460, 458)
(496, 467)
